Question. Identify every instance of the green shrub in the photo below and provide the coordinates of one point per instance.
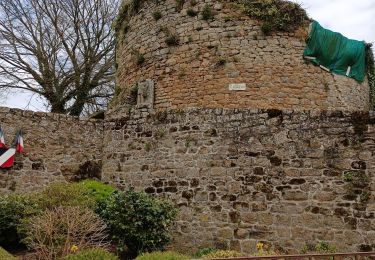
(63, 194)
(157, 15)
(221, 61)
(222, 254)
(96, 190)
(4, 255)
(204, 251)
(207, 13)
(91, 254)
(13, 208)
(162, 256)
(138, 221)
(191, 12)
(277, 15)
(321, 247)
(172, 40)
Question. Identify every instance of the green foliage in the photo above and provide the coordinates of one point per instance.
(138, 221)
(62, 194)
(91, 254)
(162, 256)
(96, 190)
(222, 254)
(204, 251)
(277, 15)
(321, 248)
(157, 15)
(191, 12)
(13, 208)
(172, 40)
(16, 210)
(221, 61)
(4, 255)
(207, 13)
(348, 176)
(266, 28)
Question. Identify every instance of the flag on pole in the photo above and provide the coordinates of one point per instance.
(19, 142)
(7, 155)
(2, 138)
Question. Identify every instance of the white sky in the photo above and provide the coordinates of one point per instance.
(353, 18)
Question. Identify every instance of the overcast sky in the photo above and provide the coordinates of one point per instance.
(353, 18)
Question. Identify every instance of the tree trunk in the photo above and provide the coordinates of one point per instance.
(77, 108)
(57, 108)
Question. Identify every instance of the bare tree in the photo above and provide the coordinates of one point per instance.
(63, 50)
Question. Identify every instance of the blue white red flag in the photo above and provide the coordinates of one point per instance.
(2, 138)
(19, 142)
(7, 155)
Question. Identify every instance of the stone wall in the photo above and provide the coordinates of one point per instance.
(241, 176)
(58, 148)
(230, 48)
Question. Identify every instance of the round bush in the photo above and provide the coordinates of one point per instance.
(162, 256)
(91, 254)
(138, 221)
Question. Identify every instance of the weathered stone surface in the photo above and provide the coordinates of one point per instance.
(58, 148)
(211, 55)
(248, 187)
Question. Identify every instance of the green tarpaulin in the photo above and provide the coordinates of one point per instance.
(336, 53)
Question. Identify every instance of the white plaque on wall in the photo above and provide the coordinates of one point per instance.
(237, 87)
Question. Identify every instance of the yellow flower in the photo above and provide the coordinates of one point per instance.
(74, 248)
(259, 246)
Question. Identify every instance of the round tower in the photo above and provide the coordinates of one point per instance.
(213, 54)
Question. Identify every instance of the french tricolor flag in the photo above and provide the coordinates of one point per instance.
(2, 138)
(7, 154)
(19, 142)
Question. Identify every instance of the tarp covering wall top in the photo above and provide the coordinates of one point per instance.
(333, 51)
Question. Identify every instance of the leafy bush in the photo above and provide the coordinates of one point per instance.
(138, 221)
(264, 250)
(191, 12)
(321, 248)
(223, 254)
(62, 230)
(91, 254)
(157, 15)
(162, 256)
(207, 13)
(63, 194)
(4, 255)
(278, 15)
(96, 190)
(13, 208)
(204, 251)
(172, 40)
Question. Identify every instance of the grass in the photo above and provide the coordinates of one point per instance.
(4, 255)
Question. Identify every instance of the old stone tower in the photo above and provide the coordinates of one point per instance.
(229, 122)
(223, 61)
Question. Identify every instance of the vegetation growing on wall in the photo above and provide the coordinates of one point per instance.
(276, 15)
